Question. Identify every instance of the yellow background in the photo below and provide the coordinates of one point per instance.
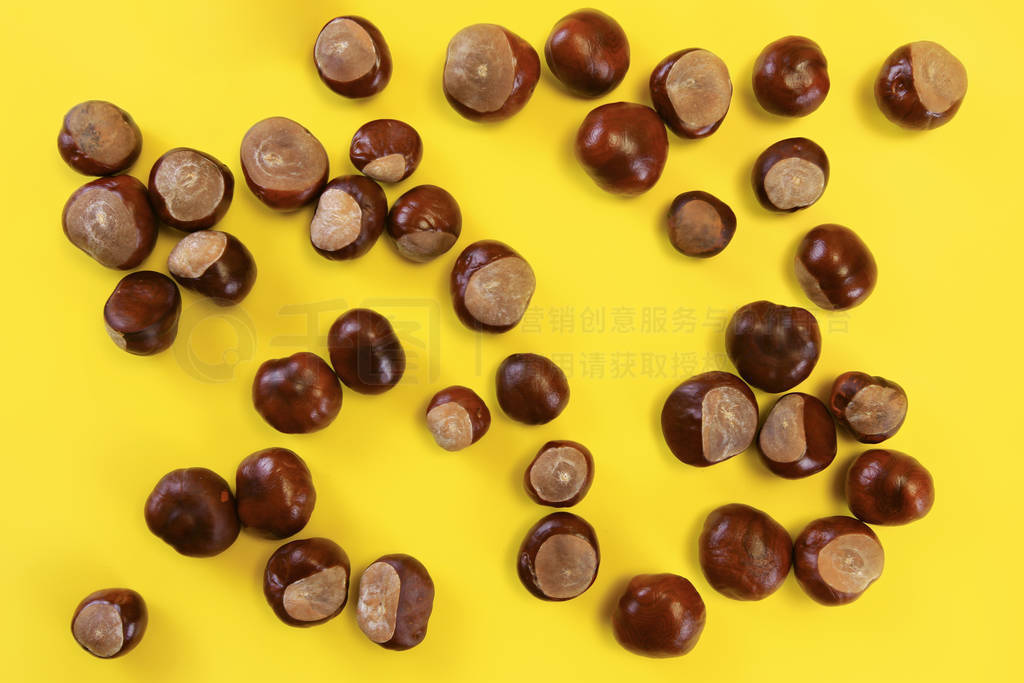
(88, 429)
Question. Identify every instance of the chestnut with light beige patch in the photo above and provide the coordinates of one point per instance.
(709, 418)
(489, 72)
(337, 221)
(214, 264)
(700, 224)
(798, 437)
(99, 138)
(190, 190)
(344, 50)
(498, 293)
(836, 559)
(110, 220)
(872, 408)
(396, 597)
(457, 418)
(940, 79)
(377, 609)
(790, 175)
(560, 474)
(728, 423)
(424, 223)
(110, 622)
(782, 437)
(691, 90)
(850, 563)
(306, 581)
(559, 558)
(317, 596)
(284, 165)
(194, 254)
(921, 85)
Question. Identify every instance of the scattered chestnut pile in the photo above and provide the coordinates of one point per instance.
(489, 74)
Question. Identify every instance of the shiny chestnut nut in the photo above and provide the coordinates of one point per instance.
(659, 615)
(531, 388)
(352, 57)
(193, 511)
(791, 77)
(284, 165)
(835, 268)
(306, 581)
(588, 52)
(424, 222)
(489, 72)
(921, 85)
(623, 147)
(773, 347)
(298, 394)
(491, 286)
(744, 553)
(889, 487)
(141, 315)
(99, 138)
(386, 150)
(349, 218)
(110, 622)
(836, 558)
(790, 175)
(700, 224)
(559, 558)
(709, 418)
(872, 408)
(214, 264)
(691, 90)
(457, 417)
(190, 190)
(110, 220)
(396, 596)
(798, 437)
(365, 351)
(560, 474)
(275, 493)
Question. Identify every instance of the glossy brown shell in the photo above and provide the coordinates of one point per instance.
(819, 438)
(791, 77)
(297, 394)
(531, 389)
(588, 52)
(659, 615)
(473, 258)
(682, 414)
(623, 147)
(846, 387)
(701, 241)
(773, 347)
(229, 279)
(889, 487)
(296, 561)
(415, 601)
(373, 205)
(835, 268)
(193, 511)
(275, 493)
(896, 94)
(141, 314)
(383, 137)
(744, 553)
(365, 351)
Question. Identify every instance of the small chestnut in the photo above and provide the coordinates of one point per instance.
(588, 52)
(773, 347)
(214, 264)
(424, 222)
(889, 487)
(457, 417)
(835, 268)
(560, 474)
(798, 437)
(872, 408)
(531, 388)
(275, 493)
(491, 286)
(659, 615)
(836, 558)
(284, 165)
(921, 85)
(99, 138)
(744, 553)
(298, 394)
(306, 581)
(141, 315)
(193, 511)
(386, 150)
(349, 218)
(559, 557)
(365, 351)
(190, 190)
(110, 220)
(352, 58)
(790, 175)
(791, 77)
(110, 622)
(623, 147)
(700, 224)
(396, 596)
(709, 418)
(691, 90)
(489, 72)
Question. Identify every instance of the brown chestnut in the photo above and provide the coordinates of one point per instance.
(835, 559)
(284, 165)
(275, 493)
(773, 347)
(790, 175)
(352, 57)
(298, 394)
(365, 351)
(709, 418)
(396, 596)
(691, 90)
(623, 147)
(214, 264)
(798, 437)
(700, 224)
(921, 85)
(588, 52)
(889, 487)
(491, 286)
(190, 190)
(560, 474)
(141, 315)
(110, 622)
(531, 388)
(306, 581)
(457, 417)
(193, 511)
(386, 150)
(489, 72)
(744, 553)
(872, 408)
(99, 138)
(559, 557)
(835, 268)
(659, 615)
(110, 220)
(424, 222)
(349, 218)
(791, 77)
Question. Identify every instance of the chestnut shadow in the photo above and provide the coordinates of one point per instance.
(793, 288)
(868, 111)
(750, 103)
(611, 598)
(839, 467)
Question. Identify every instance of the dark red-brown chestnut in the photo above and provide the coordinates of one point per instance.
(349, 218)
(457, 418)
(531, 388)
(141, 315)
(700, 224)
(773, 347)
(834, 267)
(214, 264)
(709, 418)
(365, 351)
(791, 77)
(489, 72)
(396, 597)
(921, 85)
(190, 190)
(99, 138)
(659, 615)
(306, 581)
(836, 558)
(588, 52)
(790, 175)
(559, 558)
(284, 165)
(193, 511)
(275, 493)
(110, 622)
(352, 57)
(560, 474)
(798, 438)
(491, 286)
(424, 222)
(691, 90)
(386, 150)
(110, 220)
(872, 408)
(297, 394)
(744, 553)
(623, 147)
(889, 487)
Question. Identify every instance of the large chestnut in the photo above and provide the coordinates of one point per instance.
(386, 150)
(457, 418)
(560, 474)
(275, 493)
(798, 437)
(691, 90)
(791, 77)
(424, 222)
(396, 597)
(531, 388)
(349, 218)
(284, 165)
(790, 175)
(190, 190)
(110, 220)
(306, 581)
(352, 57)
(110, 622)
(836, 558)
(623, 147)
(921, 85)
(489, 72)
(709, 418)
(141, 314)
(193, 511)
(214, 264)
(745, 554)
(365, 351)
(491, 286)
(700, 224)
(297, 394)
(559, 558)
(99, 138)
(773, 347)
(872, 408)
(889, 487)
(588, 52)
(835, 268)
(659, 615)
